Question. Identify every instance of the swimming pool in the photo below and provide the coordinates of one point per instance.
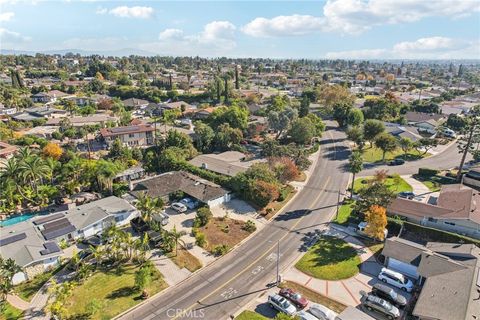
(20, 218)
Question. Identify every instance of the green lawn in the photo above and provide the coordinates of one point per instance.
(344, 213)
(375, 155)
(389, 182)
(250, 315)
(26, 290)
(112, 291)
(330, 259)
(10, 313)
(432, 185)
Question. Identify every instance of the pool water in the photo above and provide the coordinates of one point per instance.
(20, 218)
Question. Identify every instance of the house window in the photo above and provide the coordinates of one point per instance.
(432, 220)
(449, 223)
(131, 135)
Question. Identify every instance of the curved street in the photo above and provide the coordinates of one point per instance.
(221, 289)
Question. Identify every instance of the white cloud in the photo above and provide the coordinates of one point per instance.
(9, 37)
(357, 16)
(169, 34)
(293, 25)
(423, 48)
(129, 12)
(216, 38)
(6, 16)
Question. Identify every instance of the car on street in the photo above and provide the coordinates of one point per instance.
(281, 304)
(190, 203)
(406, 195)
(179, 207)
(298, 300)
(389, 294)
(374, 303)
(396, 162)
(303, 315)
(321, 312)
(395, 279)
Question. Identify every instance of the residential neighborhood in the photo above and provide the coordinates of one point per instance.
(249, 161)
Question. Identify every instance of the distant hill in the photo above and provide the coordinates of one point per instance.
(117, 53)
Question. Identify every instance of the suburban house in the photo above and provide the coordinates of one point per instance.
(400, 131)
(95, 119)
(33, 244)
(36, 113)
(133, 173)
(133, 136)
(42, 131)
(427, 122)
(135, 103)
(167, 183)
(455, 210)
(7, 111)
(228, 163)
(7, 150)
(448, 274)
(203, 113)
(179, 105)
(47, 97)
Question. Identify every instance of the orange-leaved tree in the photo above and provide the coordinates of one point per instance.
(53, 150)
(376, 218)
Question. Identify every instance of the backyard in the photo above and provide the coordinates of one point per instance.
(111, 292)
(330, 259)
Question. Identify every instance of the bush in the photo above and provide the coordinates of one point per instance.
(249, 226)
(200, 239)
(427, 172)
(284, 192)
(220, 250)
(203, 217)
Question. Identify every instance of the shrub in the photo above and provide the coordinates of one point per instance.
(200, 239)
(203, 217)
(220, 250)
(249, 226)
(427, 172)
(284, 192)
(263, 193)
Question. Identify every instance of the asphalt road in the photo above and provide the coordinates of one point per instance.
(221, 289)
(449, 158)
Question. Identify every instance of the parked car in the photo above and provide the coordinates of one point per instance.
(190, 203)
(281, 304)
(396, 162)
(321, 312)
(303, 315)
(139, 225)
(298, 300)
(374, 303)
(162, 217)
(396, 279)
(93, 241)
(406, 195)
(361, 230)
(449, 133)
(385, 292)
(179, 207)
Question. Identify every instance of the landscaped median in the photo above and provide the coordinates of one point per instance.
(330, 259)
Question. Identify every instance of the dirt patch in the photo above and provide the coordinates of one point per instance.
(223, 231)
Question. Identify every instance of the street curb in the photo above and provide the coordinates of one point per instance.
(229, 252)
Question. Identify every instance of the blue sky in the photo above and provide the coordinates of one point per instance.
(439, 29)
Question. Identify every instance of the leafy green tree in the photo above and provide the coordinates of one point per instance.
(227, 137)
(149, 206)
(203, 217)
(281, 121)
(302, 131)
(355, 134)
(375, 193)
(304, 107)
(355, 165)
(385, 142)
(355, 117)
(371, 129)
(341, 112)
(143, 277)
(426, 144)
(204, 137)
(405, 144)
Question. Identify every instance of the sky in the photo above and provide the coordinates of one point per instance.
(358, 29)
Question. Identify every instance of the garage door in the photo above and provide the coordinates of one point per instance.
(403, 268)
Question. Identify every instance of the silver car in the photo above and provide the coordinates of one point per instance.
(281, 304)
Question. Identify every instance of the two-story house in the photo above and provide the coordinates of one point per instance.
(133, 136)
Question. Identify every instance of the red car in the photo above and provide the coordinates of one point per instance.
(296, 298)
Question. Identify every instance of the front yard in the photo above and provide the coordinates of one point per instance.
(111, 292)
(27, 289)
(394, 184)
(184, 259)
(330, 259)
(374, 154)
(223, 231)
(250, 315)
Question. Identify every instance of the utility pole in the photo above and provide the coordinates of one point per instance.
(338, 204)
(278, 262)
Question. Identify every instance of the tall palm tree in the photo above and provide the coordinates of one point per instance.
(142, 247)
(34, 169)
(149, 206)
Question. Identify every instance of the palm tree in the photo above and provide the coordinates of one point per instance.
(355, 165)
(98, 254)
(177, 237)
(142, 246)
(33, 169)
(8, 268)
(149, 206)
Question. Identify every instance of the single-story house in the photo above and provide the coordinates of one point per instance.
(203, 113)
(400, 131)
(135, 103)
(455, 210)
(133, 136)
(177, 105)
(36, 113)
(133, 173)
(42, 131)
(7, 111)
(427, 122)
(167, 183)
(447, 272)
(33, 244)
(228, 163)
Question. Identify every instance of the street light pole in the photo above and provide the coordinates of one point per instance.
(338, 203)
(278, 262)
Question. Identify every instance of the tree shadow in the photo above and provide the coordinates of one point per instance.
(121, 292)
(291, 215)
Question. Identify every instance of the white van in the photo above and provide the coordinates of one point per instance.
(395, 279)
(449, 133)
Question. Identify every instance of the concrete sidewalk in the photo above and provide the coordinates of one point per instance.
(421, 191)
(172, 274)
